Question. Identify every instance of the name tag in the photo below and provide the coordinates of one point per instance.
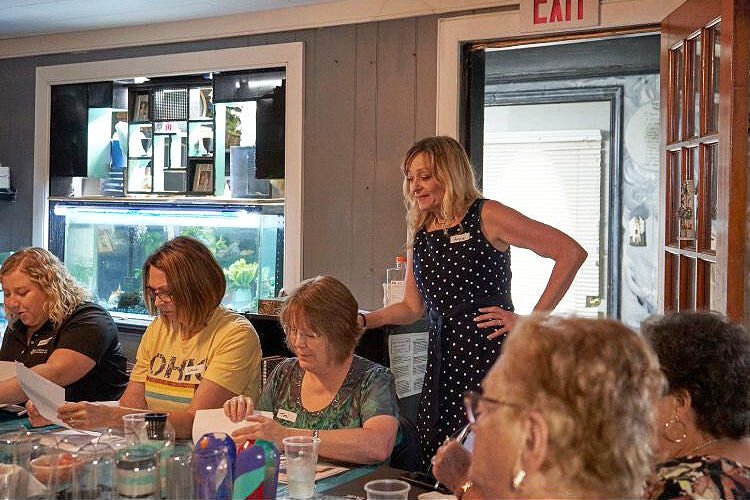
(289, 416)
(195, 370)
(458, 238)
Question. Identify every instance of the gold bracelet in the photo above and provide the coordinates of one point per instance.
(461, 490)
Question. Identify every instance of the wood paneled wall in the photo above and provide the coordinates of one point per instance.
(369, 94)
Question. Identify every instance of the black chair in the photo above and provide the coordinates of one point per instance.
(407, 454)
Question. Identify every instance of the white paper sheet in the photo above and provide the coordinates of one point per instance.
(214, 420)
(408, 353)
(47, 396)
(7, 370)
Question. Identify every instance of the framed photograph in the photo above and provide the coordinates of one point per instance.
(203, 182)
(140, 108)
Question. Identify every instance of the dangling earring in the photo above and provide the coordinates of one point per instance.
(669, 427)
(518, 479)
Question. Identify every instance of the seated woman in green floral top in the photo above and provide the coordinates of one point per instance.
(347, 400)
(703, 448)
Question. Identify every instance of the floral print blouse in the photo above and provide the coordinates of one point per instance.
(709, 477)
(368, 390)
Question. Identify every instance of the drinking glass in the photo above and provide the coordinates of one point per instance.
(134, 426)
(301, 461)
(13, 479)
(94, 478)
(55, 471)
(16, 447)
(180, 472)
(387, 489)
(137, 472)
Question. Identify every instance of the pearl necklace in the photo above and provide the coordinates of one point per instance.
(704, 444)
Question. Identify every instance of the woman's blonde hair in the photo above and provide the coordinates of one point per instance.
(46, 271)
(596, 383)
(452, 169)
(196, 281)
(327, 307)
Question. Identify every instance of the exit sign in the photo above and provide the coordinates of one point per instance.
(558, 15)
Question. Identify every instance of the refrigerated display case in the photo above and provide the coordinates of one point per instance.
(105, 243)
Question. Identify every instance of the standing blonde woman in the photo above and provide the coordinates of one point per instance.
(55, 330)
(458, 268)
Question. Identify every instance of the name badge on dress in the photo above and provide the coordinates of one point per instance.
(458, 238)
(195, 370)
(289, 416)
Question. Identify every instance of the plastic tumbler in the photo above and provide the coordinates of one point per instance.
(387, 489)
(301, 460)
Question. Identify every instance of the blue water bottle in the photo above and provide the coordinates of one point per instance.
(213, 461)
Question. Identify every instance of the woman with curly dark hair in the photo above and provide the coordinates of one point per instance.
(704, 418)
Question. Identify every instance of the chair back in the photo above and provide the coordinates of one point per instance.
(407, 454)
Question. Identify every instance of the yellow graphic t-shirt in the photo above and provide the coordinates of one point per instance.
(226, 352)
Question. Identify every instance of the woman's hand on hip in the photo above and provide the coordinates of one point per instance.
(239, 408)
(498, 318)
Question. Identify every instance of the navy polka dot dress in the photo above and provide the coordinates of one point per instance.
(457, 271)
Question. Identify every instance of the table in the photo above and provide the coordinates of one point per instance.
(352, 482)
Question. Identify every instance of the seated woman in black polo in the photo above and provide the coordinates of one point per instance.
(56, 332)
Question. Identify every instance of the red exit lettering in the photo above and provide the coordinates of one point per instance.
(555, 11)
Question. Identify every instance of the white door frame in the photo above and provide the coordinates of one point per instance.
(454, 31)
(288, 55)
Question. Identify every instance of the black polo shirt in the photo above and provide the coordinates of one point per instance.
(89, 330)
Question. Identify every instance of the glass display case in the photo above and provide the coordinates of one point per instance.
(104, 244)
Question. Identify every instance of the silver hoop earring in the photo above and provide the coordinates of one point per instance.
(518, 479)
(671, 427)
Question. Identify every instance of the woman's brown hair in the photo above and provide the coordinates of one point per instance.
(196, 281)
(327, 307)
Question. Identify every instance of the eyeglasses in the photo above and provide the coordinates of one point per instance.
(293, 333)
(472, 400)
(155, 294)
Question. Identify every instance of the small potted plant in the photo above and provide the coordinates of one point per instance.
(240, 277)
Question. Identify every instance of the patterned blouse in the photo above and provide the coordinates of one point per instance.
(699, 477)
(368, 390)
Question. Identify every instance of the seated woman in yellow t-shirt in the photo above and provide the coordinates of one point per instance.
(195, 355)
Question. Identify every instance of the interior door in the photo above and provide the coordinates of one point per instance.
(704, 156)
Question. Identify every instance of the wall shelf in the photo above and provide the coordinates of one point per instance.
(7, 195)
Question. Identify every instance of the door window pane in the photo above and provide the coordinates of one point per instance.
(677, 71)
(695, 48)
(706, 277)
(673, 194)
(688, 197)
(712, 94)
(672, 272)
(710, 197)
(687, 284)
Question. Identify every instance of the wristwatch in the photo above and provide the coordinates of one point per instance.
(316, 434)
